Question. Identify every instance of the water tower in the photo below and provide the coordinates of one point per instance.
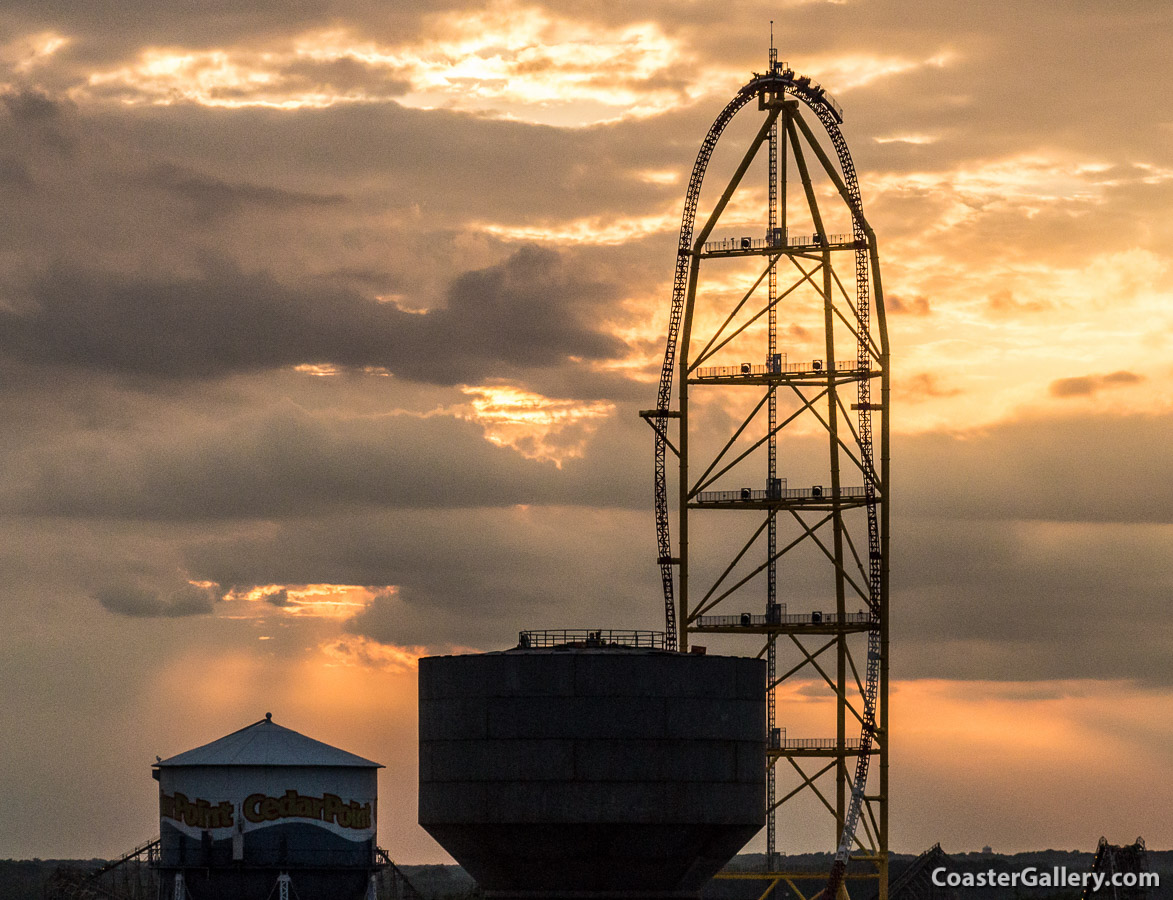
(556, 769)
(263, 811)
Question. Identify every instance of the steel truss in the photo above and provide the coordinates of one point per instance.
(848, 525)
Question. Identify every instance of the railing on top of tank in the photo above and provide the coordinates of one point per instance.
(587, 637)
(782, 618)
(813, 744)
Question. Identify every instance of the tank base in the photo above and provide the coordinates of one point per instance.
(246, 884)
(592, 773)
(590, 895)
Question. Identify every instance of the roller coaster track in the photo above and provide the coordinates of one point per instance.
(1111, 859)
(74, 884)
(783, 80)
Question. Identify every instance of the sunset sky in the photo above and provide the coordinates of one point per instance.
(324, 325)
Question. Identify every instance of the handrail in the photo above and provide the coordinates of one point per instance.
(810, 493)
(588, 637)
(814, 366)
(816, 744)
(798, 240)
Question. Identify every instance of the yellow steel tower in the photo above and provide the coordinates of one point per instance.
(780, 435)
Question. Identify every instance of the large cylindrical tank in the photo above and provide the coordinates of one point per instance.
(237, 813)
(608, 771)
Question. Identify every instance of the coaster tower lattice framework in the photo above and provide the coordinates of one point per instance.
(848, 525)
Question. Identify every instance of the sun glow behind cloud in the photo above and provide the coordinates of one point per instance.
(1043, 737)
(224, 78)
(537, 427)
(28, 52)
(323, 601)
(316, 609)
(593, 230)
(525, 57)
(844, 72)
(1016, 288)
(1025, 183)
(999, 334)
(907, 139)
(509, 61)
(356, 650)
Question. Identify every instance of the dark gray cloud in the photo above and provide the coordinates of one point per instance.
(981, 599)
(30, 107)
(342, 76)
(14, 174)
(418, 161)
(278, 598)
(377, 200)
(530, 311)
(1093, 468)
(43, 122)
(106, 31)
(1011, 560)
(140, 602)
(286, 462)
(470, 577)
(214, 197)
(1030, 600)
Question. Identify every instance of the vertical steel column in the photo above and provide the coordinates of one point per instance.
(885, 463)
(771, 476)
(685, 341)
(842, 783)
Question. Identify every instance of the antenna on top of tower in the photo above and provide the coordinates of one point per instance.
(773, 49)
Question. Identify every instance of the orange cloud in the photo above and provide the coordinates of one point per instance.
(1004, 302)
(917, 305)
(1087, 385)
(356, 650)
(924, 386)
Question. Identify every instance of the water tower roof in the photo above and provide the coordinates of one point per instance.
(265, 743)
